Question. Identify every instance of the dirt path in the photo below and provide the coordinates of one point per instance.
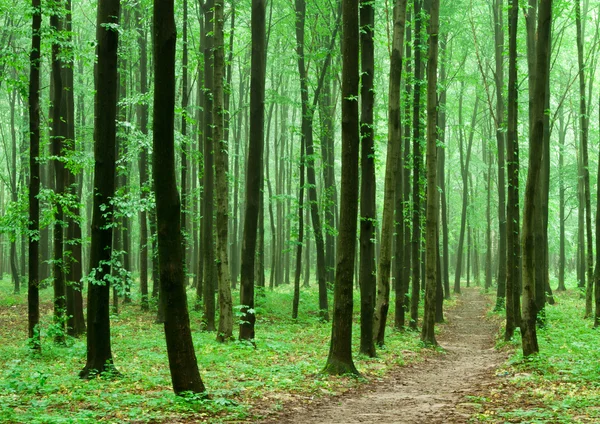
(434, 391)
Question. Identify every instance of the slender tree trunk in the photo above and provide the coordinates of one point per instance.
(513, 259)
(180, 349)
(393, 152)
(142, 114)
(225, 330)
(528, 323)
(340, 360)
(368, 219)
(58, 135)
(33, 300)
(562, 133)
(433, 205)
(99, 355)
(583, 139)
(255, 168)
(417, 165)
(498, 7)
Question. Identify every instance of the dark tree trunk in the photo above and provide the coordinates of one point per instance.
(33, 300)
(513, 259)
(562, 133)
(57, 137)
(225, 329)
(583, 139)
(340, 360)
(394, 147)
(99, 355)
(367, 277)
(142, 114)
(417, 165)
(208, 193)
(528, 324)
(433, 205)
(498, 7)
(254, 168)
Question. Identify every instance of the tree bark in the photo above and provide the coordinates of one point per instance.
(99, 355)
(368, 219)
(225, 330)
(340, 360)
(394, 146)
(528, 324)
(33, 299)
(433, 205)
(254, 169)
(180, 349)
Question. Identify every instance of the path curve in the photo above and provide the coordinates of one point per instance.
(433, 391)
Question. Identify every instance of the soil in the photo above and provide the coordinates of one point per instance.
(436, 390)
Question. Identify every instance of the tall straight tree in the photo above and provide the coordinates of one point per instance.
(498, 9)
(340, 360)
(583, 140)
(528, 323)
(254, 168)
(367, 273)
(58, 136)
(417, 165)
(433, 204)
(394, 148)
(180, 349)
(99, 354)
(142, 115)
(225, 329)
(33, 297)
(513, 259)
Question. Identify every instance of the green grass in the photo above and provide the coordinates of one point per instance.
(562, 383)
(244, 383)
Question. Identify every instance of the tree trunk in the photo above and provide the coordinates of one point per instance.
(180, 349)
(368, 219)
(254, 169)
(433, 205)
(225, 330)
(583, 139)
(142, 114)
(340, 360)
(99, 355)
(498, 7)
(513, 259)
(528, 324)
(417, 165)
(33, 299)
(394, 146)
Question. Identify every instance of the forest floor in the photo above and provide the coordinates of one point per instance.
(440, 389)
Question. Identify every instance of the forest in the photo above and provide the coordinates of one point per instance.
(261, 211)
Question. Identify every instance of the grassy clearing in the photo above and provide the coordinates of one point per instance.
(561, 384)
(244, 383)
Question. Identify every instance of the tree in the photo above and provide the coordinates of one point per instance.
(254, 170)
(225, 329)
(513, 259)
(368, 220)
(33, 300)
(528, 323)
(180, 349)
(433, 205)
(99, 354)
(394, 148)
(340, 360)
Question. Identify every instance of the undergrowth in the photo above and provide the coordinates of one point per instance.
(244, 383)
(559, 385)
